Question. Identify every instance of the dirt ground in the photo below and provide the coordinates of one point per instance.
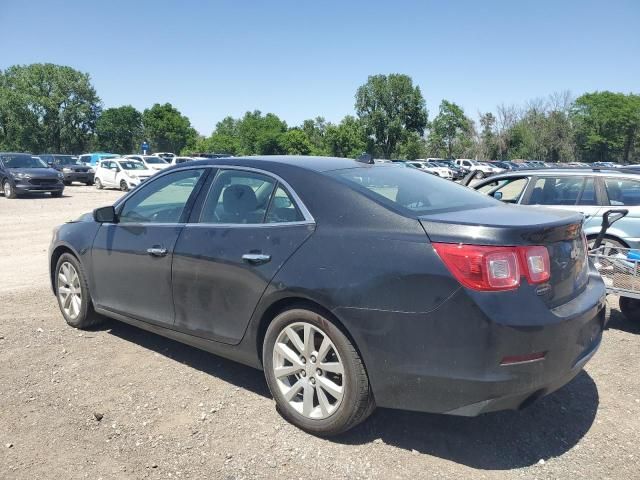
(171, 411)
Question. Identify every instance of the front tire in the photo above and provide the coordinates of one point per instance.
(72, 292)
(479, 174)
(124, 186)
(9, 190)
(99, 185)
(315, 374)
(56, 194)
(630, 308)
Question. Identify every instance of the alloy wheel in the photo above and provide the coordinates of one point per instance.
(308, 370)
(69, 290)
(7, 189)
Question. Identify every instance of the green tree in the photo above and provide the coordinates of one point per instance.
(316, 131)
(607, 125)
(347, 139)
(167, 129)
(260, 134)
(411, 147)
(390, 107)
(47, 107)
(296, 142)
(119, 130)
(451, 131)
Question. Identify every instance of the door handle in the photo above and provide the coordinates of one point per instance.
(157, 251)
(256, 258)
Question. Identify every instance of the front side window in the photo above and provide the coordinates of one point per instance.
(569, 190)
(238, 197)
(164, 200)
(622, 191)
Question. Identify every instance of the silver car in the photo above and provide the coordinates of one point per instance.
(590, 192)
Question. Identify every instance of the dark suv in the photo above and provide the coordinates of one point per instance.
(72, 169)
(22, 173)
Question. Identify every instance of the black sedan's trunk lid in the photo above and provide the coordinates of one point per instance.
(508, 225)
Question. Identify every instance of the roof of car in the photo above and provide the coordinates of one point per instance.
(566, 172)
(318, 164)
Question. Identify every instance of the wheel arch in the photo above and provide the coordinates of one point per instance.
(53, 261)
(291, 302)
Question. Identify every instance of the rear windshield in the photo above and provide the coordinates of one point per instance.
(154, 160)
(416, 192)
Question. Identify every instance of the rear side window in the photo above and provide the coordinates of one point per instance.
(415, 191)
(282, 208)
(239, 197)
(570, 190)
(622, 191)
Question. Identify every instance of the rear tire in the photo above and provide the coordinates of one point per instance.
(89, 184)
(479, 174)
(56, 194)
(99, 185)
(630, 308)
(328, 387)
(72, 292)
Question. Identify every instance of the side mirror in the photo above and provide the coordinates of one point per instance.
(50, 163)
(105, 215)
(497, 195)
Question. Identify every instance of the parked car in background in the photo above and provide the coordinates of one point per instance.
(449, 173)
(71, 168)
(94, 158)
(458, 172)
(22, 173)
(443, 172)
(474, 166)
(589, 192)
(151, 162)
(415, 308)
(122, 173)
(168, 156)
(179, 160)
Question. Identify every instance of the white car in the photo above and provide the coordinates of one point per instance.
(122, 173)
(178, 160)
(152, 162)
(168, 156)
(482, 169)
(443, 172)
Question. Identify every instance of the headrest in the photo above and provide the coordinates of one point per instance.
(239, 199)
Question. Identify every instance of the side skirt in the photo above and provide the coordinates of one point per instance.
(235, 353)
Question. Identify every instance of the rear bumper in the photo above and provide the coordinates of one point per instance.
(449, 360)
(84, 177)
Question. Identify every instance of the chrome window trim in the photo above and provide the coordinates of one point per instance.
(308, 218)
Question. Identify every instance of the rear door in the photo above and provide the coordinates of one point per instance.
(132, 258)
(576, 193)
(245, 227)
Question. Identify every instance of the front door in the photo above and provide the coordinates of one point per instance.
(132, 258)
(249, 225)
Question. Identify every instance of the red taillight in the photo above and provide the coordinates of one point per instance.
(483, 267)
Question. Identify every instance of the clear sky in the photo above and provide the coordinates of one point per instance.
(300, 59)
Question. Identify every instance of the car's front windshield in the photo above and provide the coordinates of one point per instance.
(154, 160)
(411, 190)
(131, 165)
(66, 160)
(22, 161)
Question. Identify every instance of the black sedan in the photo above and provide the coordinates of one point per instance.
(22, 173)
(352, 285)
(71, 168)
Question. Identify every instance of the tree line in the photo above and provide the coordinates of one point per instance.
(53, 108)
